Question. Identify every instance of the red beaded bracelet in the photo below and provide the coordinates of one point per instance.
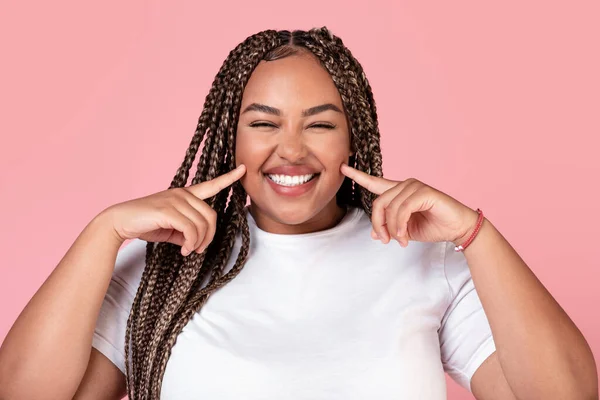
(470, 239)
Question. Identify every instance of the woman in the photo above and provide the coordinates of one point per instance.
(318, 309)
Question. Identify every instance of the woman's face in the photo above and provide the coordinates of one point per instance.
(292, 135)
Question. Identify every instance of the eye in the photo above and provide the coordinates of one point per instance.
(322, 126)
(261, 124)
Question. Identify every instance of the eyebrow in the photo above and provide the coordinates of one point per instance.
(305, 113)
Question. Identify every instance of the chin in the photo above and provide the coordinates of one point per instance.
(292, 214)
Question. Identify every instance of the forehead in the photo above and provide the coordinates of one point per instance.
(298, 81)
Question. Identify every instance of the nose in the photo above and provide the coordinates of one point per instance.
(291, 146)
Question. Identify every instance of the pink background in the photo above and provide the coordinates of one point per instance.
(495, 104)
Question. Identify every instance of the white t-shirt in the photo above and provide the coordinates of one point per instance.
(325, 315)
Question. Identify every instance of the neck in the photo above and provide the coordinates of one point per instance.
(327, 218)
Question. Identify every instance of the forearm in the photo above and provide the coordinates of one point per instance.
(542, 353)
(48, 347)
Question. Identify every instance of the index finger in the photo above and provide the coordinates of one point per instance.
(204, 190)
(372, 183)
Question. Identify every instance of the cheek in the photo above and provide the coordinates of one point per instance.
(243, 155)
(240, 148)
(331, 153)
(251, 151)
(248, 151)
(332, 150)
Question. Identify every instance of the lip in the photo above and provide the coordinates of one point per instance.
(291, 170)
(292, 190)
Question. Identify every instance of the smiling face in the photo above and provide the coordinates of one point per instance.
(292, 135)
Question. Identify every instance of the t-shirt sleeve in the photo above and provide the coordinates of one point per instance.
(109, 334)
(465, 335)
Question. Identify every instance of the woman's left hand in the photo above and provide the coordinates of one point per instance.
(411, 210)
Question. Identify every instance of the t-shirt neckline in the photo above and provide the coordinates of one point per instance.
(347, 221)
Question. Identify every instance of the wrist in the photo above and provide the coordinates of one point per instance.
(471, 223)
(103, 225)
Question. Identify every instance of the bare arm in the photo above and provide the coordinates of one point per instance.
(540, 351)
(102, 380)
(46, 352)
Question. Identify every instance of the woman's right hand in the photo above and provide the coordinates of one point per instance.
(178, 215)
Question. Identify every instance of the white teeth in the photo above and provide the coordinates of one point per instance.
(288, 180)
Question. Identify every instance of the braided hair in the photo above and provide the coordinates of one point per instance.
(171, 290)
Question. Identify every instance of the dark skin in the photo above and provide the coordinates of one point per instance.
(320, 141)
